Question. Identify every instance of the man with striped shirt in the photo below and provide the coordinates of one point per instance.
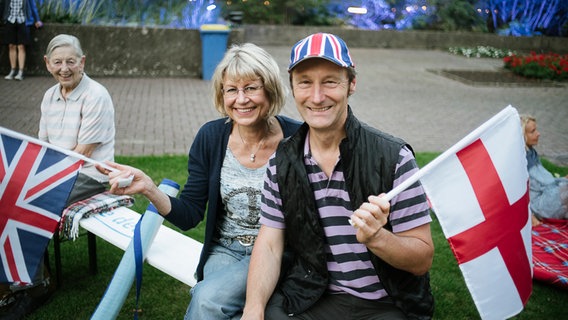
(329, 246)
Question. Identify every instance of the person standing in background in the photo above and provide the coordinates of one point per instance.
(18, 16)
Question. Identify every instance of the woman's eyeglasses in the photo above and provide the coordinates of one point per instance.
(249, 91)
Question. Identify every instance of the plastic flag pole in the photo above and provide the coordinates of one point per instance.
(120, 285)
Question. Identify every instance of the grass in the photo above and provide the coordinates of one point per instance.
(163, 297)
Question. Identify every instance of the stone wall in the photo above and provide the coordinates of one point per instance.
(161, 52)
(122, 51)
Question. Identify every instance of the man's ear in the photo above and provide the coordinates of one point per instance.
(352, 86)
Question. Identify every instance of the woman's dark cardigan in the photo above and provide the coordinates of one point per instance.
(201, 192)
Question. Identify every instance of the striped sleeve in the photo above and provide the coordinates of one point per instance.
(409, 209)
(271, 202)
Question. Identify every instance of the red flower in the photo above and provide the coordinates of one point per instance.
(541, 66)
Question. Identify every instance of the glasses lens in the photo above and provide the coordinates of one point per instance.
(248, 91)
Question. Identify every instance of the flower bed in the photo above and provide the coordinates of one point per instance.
(481, 52)
(549, 66)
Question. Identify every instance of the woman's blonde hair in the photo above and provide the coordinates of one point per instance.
(249, 62)
(525, 119)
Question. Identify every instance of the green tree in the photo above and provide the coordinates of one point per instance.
(454, 15)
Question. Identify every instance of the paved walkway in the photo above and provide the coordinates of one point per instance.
(396, 93)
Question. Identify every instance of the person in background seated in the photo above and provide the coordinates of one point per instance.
(77, 114)
(226, 165)
(548, 194)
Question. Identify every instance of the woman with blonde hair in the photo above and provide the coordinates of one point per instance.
(548, 194)
(226, 166)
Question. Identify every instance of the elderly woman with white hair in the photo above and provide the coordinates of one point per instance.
(77, 113)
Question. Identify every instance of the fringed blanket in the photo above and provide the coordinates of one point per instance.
(102, 202)
(550, 252)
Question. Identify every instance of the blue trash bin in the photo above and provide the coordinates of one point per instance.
(214, 39)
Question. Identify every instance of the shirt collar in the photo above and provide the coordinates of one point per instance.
(77, 92)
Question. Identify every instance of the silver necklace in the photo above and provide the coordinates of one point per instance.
(253, 154)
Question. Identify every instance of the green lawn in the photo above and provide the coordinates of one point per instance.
(163, 297)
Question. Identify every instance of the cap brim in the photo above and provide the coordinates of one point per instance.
(293, 65)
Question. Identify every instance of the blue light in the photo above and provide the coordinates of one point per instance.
(519, 18)
(357, 10)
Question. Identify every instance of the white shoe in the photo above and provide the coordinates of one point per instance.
(19, 76)
(10, 75)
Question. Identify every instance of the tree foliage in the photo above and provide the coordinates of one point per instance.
(299, 12)
(458, 15)
(508, 17)
(527, 17)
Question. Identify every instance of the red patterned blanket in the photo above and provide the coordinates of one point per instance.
(550, 252)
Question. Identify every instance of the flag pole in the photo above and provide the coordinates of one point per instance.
(70, 153)
(467, 140)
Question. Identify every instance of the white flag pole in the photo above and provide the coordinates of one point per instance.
(466, 141)
(71, 153)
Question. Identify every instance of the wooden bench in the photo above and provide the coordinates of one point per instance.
(171, 252)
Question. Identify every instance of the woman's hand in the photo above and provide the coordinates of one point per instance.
(535, 221)
(141, 183)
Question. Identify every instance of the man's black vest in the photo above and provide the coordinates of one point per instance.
(369, 157)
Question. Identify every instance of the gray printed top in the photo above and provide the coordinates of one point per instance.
(240, 192)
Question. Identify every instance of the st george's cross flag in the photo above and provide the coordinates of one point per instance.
(480, 196)
(478, 189)
(35, 182)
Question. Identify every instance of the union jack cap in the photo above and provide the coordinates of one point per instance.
(321, 45)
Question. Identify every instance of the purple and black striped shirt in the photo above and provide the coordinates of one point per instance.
(348, 261)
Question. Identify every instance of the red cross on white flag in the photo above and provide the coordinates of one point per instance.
(478, 189)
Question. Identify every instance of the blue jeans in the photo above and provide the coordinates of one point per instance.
(221, 294)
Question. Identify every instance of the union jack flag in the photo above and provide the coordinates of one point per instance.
(35, 182)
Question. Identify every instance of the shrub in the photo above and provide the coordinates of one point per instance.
(549, 66)
(481, 52)
(69, 11)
